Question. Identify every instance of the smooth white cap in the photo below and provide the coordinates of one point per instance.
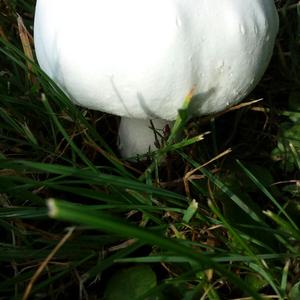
(139, 58)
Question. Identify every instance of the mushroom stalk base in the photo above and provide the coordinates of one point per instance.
(138, 137)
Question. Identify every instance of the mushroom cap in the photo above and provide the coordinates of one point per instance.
(139, 58)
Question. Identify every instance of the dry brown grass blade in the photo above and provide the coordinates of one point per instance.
(2, 34)
(27, 41)
(45, 263)
(233, 108)
(189, 175)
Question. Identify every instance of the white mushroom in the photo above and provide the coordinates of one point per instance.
(139, 58)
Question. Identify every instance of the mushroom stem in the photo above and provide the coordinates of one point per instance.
(138, 137)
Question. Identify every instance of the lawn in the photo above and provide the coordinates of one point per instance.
(215, 215)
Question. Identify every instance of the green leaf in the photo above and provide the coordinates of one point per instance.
(295, 292)
(255, 281)
(294, 106)
(288, 146)
(190, 211)
(130, 284)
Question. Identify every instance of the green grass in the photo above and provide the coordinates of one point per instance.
(77, 222)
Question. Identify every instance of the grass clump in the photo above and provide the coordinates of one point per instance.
(218, 219)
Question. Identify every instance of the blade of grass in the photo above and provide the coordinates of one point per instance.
(179, 259)
(286, 226)
(267, 193)
(87, 174)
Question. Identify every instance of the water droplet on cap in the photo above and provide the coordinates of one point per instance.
(178, 22)
(220, 66)
(242, 30)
